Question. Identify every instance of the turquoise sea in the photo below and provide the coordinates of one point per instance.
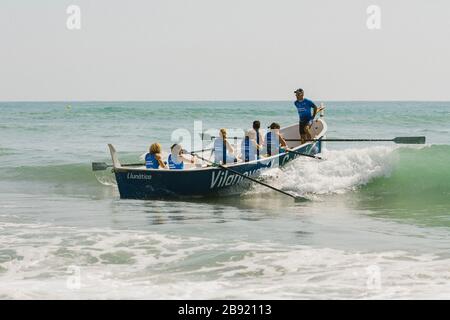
(377, 223)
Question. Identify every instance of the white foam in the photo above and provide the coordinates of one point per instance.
(342, 171)
(107, 180)
(158, 266)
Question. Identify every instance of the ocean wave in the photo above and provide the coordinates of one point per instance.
(420, 172)
(414, 171)
(70, 174)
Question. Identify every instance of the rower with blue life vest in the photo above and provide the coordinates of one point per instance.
(258, 137)
(274, 142)
(307, 111)
(153, 159)
(223, 151)
(249, 147)
(176, 158)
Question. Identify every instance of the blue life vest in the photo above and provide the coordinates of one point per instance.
(248, 149)
(175, 165)
(304, 109)
(272, 144)
(220, 152)
(151, 162)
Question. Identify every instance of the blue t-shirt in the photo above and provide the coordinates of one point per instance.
(304, 109)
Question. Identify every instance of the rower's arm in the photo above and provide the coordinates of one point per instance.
(255, 145)
(318, 109)
(315, 110)
(261, 139)
(282, 141)
(230, 147)
(191, 159)
(161, 162)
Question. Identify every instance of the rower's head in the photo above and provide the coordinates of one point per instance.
(256, 125)
(223, 133)
(176, 149)
(299, 93)
(274, 127)
(155, 148)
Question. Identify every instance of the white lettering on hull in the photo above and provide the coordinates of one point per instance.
(225, 178)
(138, 176)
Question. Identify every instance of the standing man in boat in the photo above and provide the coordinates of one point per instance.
(304, 107)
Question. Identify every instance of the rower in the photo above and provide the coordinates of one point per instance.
(259, 137)
(223, 151)
(153, 159)
(274, 142)
(176, 158)
(304, 107)
(249, 147)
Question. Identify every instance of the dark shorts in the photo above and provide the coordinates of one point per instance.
(302, 125)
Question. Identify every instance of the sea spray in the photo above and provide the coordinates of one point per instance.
(342, 171)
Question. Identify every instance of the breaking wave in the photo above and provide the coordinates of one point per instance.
(380, 170)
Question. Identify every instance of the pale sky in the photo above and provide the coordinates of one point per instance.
(224, 50)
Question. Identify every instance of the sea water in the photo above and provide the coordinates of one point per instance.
(377, 223)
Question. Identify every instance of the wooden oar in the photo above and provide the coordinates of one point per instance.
(296, 198)
(400, 140)
(98, 166)
(206, 136)
(305, 155)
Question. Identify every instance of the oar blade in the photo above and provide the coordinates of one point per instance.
(409, 140)
(305, 155)
(99, 166)
(300, 199)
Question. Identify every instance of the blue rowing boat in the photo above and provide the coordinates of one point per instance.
(141, 183)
